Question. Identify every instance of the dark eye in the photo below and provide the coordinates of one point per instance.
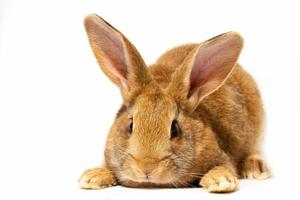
(174, 129)
(130, 127)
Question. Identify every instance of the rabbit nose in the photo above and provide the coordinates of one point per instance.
(147, 166)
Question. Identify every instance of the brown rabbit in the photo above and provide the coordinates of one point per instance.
(194, 115)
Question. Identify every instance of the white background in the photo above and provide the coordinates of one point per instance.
(56, 105)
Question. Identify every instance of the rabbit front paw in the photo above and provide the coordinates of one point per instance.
(97, 178)
(219, 180)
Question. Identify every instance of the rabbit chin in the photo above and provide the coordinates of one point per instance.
(135, 179)
(130, 182)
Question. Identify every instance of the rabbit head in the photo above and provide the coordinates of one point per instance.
(157, 137)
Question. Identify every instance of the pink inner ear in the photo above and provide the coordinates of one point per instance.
(110, 45)
(207, 63)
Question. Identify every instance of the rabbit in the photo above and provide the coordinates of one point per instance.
(194, 116)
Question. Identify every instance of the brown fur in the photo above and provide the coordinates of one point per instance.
(219, 113)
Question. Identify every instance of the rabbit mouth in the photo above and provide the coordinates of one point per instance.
(156, 177)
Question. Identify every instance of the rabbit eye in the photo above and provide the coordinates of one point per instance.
(174, 129)
(130, 127)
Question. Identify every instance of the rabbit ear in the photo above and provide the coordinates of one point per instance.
(117, 57)
(206, 68)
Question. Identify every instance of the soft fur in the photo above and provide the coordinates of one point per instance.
(215, 103)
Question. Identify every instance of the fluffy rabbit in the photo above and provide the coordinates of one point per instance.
(195, 116)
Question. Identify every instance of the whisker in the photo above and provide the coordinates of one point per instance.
(174, 185)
